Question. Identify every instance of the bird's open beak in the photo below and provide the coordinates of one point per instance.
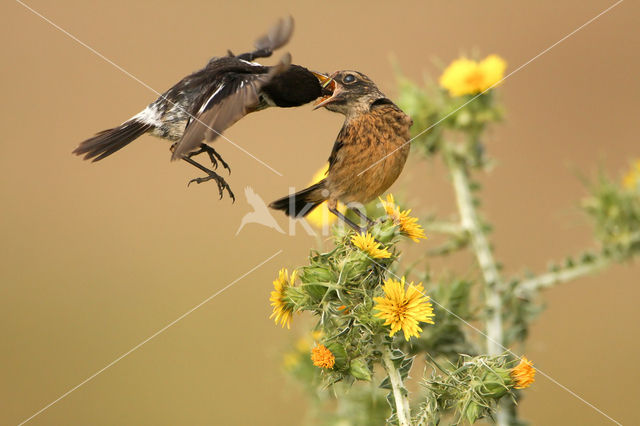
(322, 78)
(328, 91)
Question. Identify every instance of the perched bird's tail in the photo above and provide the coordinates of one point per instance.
(109, 141)
(301, 203)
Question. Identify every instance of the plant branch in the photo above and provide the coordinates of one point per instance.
(471, 223)
(543, 281)
(402, 403)
(442, 227)
(493, 288)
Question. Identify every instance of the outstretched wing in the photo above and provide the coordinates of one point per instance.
(277, 36)
(236, 96)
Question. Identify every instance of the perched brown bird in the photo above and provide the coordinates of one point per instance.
(368, 155)
(203, 104)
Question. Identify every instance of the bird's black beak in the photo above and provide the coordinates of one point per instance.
(329, 91)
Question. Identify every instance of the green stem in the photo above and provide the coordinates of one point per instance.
(493, 282)
(440, 227)
(494, 287)
(531, 285)
(402, 403)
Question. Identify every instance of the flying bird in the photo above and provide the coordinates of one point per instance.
(368, 154)
(205, 103)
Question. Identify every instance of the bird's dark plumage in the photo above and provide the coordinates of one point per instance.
(301, 203)
(109, 141)
(205, 103)
(368, 154)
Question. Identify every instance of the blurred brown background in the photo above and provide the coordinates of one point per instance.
(97, 257)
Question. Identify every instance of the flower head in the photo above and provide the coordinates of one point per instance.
(290, 360)
(282, 307)
(369, 245)
(322, 357)
(523, 374)
(404, 309)
(465, 76)
(317, 335)
(321, 217)
(408, 225)
(632, 179)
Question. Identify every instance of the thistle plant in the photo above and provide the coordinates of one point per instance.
(437, 350)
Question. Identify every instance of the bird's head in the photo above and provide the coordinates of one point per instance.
(295, 86)
(349, 92)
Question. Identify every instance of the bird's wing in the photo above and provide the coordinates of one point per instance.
(277, 36)
(231, 100)
(343, 135)
(334, 153)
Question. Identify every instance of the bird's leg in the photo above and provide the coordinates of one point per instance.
(348, 221)
(361, 215)
(214, 157)
(222, 184)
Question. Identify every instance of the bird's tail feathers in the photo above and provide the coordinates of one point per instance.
(303, 202)
(109, 141)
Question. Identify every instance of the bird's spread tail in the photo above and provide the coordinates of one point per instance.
(109, 141)
(301, 203)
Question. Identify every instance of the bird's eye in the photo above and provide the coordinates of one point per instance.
(349, 78)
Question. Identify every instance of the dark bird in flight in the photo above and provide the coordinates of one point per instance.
(202, 105)
(369, 152)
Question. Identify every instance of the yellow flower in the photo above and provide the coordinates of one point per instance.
(632, 178)
(465, 76)
(369, 245)
(317, 335)
(302, 345)
(290, 360)
(322, 357)
(404, 310)
(282, 307)
(409, 225)
(321, 217)
(523, 374)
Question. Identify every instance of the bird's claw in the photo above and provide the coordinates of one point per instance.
(214, 157)
(222, 184)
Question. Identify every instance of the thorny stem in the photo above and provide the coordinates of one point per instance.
(550, 279)
(402, 403)
(471, 223)
(440, 227)
(493, 282)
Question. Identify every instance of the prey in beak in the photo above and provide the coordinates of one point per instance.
(328, 91)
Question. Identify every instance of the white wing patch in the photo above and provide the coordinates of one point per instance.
(253, 64)
(149, 115)
(204, 104)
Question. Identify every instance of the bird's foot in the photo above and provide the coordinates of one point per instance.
(359, 229)
(214, 157)
(222, 184)
(370, 222)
